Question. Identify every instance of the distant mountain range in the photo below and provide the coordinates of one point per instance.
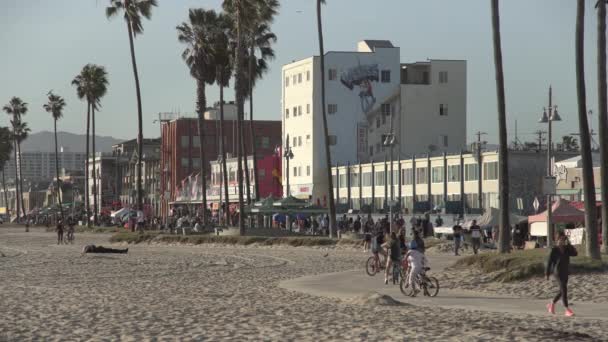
(45, 142)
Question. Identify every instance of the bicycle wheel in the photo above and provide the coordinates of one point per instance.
(432, 286)
(370, 267)
(405, 287)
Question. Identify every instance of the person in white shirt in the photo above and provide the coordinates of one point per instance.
(417, 262)
(475, 236)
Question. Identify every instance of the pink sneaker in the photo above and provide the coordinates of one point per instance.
(551, 308)
(569, 313)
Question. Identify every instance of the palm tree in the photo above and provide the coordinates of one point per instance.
(55, 107)
(504, 227)
(569, 143)
(260, 39)
(134, 10)
(330, 186)
(243, 14)
(602, 89)
(6, 146)
(91, 84)
(199, 36)
(592, 247)
(22, 131)
(16, 108)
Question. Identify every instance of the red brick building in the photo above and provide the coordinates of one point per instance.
(180, 148)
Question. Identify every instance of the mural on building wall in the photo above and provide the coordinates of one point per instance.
(362, 76)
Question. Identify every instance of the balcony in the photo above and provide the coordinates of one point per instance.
(416, 73)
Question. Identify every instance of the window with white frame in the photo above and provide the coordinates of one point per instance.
(295, 171)
(443, 77)
(287, 113)
(299, 141)
(299, 110)
(299, 171)
(443, 109)
(295, 141)
(407, 176)
(286, 81)
(471, 172)
(308, 138)
(421, 175)
(333, 140)
(386, 109)
(385, 76)
(332, 108)
(490, 171)
(307, 75)
(379, 179)
(185, 141)
(333, 74)
(308, 170)
(437, 174)
(300, 78)
(294, 78)
(443, 140)
(308, 108)
(454, 173)
(295, 111)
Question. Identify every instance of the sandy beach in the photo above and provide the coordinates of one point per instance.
(166, 293)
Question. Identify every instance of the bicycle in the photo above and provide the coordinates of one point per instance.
(375, 264)
(429, 285)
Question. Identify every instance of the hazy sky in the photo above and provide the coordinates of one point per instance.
(45, 44)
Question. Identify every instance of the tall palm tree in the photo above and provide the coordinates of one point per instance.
(503, 174)
(602, 89)
(243, 14)
(55, 106)
(133, 11)
(199, 37)
(260, 39)
(592, 247)
(91, 85)
(16, 108)
(6, 146)
(330, 185)
(22, 131)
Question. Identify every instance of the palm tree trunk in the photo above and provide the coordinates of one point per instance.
(5, 193)
(140, 134)
(330, 186)
(239, 105)
(602, 89)
(503, 174)
(202, 105)
(87, 205)
(256, 187)
(593, 250)
(21, 178)
(95, 191)
(18, 204)
(223, 149)
(57, 171)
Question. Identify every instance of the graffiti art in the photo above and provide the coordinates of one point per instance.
(362, 76)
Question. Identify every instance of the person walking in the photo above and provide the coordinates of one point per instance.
(457, 234)
(475, 236)
(558, 264)
(394, 249)
(59, 230)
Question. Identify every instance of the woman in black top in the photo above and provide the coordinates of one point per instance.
(558, 264)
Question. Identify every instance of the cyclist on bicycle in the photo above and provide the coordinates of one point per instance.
(377, 249)
(418, 262)
(394, 247)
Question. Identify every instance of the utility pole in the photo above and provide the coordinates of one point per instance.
(540, 139)
(478, 147)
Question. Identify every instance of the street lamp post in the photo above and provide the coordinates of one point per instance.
(288, 155)
(549, 115)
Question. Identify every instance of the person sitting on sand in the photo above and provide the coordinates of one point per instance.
(101, 249)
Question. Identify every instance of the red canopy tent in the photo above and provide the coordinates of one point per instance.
(562, 212)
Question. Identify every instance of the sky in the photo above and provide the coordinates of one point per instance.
(46, 43)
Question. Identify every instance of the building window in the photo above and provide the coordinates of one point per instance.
(294, 78)
(354, 178)
(308, 75)
(333, 140)
(490, 171)
(295, 141)
(471, 172)
(287, 113)
(185, 141)
(421, 175)
(443, 77)
(286, 81)
(443, 140)
(366, 179)
(300, 78)
(299, 110)
(196, 163)
(407, 176)
(383, 119)
(377, 147)
(377, 122)
(385, 76)
(437, 174)
(262, 173)
(386, 109)
(379, 178)
(185, 162)
(308, 108)
(454, 173)
(332, 108)
(333, 74)
(295, 171)
(295, 111)
(299, 141)
(343, 182)
(196, 141)
(308, 170)
(443, 109)
(371, 150)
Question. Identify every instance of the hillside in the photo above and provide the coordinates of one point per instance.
(44, 142)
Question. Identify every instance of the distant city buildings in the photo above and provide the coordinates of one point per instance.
(364, 90)
(37, 166)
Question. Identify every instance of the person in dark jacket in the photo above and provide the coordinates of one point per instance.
(558, 264)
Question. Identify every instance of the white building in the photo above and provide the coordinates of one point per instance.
(38, 166)
(427, 102)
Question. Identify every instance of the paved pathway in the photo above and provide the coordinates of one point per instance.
(349, 284)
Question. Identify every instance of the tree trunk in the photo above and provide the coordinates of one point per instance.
(21, 178)
(256, 184)
(201, 106)
(593, 250)
(5, 193)
(602, 89)
(330, 186)
(239, 105)
(87, 205)
(223, 149)
(95, 191)
(140, 130)
(503, 174)
(57, 172)
(17, 203)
